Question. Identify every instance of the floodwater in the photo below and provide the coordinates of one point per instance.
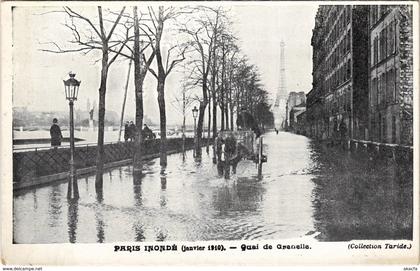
(306, 191)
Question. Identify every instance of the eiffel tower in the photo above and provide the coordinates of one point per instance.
(279, 107)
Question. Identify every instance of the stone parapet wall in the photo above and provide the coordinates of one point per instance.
(34, 164)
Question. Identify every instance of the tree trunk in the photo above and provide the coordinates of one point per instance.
(162, 112)
(202, 109)
(231, 117)
(213, 97)
(209, 126)
(222, 113)
(183, 124)
(227, 116)
(200, 128)
(138, 155)
(138, 86)
(101, 122)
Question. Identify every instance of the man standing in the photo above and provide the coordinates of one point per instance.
(126, 131)
(147, 132)
(133, 131)
(55, 133)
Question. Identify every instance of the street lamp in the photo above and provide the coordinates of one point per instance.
(195, 113)
(71, 88)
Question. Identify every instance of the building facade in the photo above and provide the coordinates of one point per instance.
(391, 74)
(301, 128)
(294, 114)
(340, 88)
(294, 99)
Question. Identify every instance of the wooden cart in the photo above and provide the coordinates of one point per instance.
(246, 146)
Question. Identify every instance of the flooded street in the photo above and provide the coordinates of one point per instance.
(307, 190)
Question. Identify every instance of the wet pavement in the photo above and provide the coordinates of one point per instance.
(307, 190)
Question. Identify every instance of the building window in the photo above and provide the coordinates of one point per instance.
(379, 126)
(373, 128)
(348, 98)
(348, 69)
(348, 40)
(391, 38)
(375, 50)
(383, 88)
(382, 10)
(374, 14)
(396, 91)
(390, 86)
(394, 130)
(374, 98)
(384, 130)
(382, 44)
(348, 13)
(380, 89)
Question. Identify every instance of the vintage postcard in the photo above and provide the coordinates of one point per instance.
(197, 133)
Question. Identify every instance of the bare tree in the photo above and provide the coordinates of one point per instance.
(203, 35)
(141, 66)
(89, 36)
(164, 67)
(137, 54)
(227, 52)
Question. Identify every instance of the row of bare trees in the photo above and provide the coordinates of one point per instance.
(217, 75)
(226, 79)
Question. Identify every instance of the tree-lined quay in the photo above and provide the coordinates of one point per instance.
(218, 76)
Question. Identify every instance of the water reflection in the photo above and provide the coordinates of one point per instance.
(242, 194)
(72, 219)
(100, 224)
(139, 234)
(100, 195)
(137, 191)
(161, 236)
(35, 202)
(87, 184)
(357, 198)
(55, 198)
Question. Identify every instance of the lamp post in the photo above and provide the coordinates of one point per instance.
(194, 113)
(71, 88)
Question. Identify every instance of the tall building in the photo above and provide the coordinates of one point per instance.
(340, 72)
(391, 74)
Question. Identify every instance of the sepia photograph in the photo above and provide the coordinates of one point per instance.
(213, 121)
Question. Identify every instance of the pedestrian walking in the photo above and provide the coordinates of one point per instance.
(55, 133)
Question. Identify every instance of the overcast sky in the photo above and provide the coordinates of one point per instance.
(37, 81)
